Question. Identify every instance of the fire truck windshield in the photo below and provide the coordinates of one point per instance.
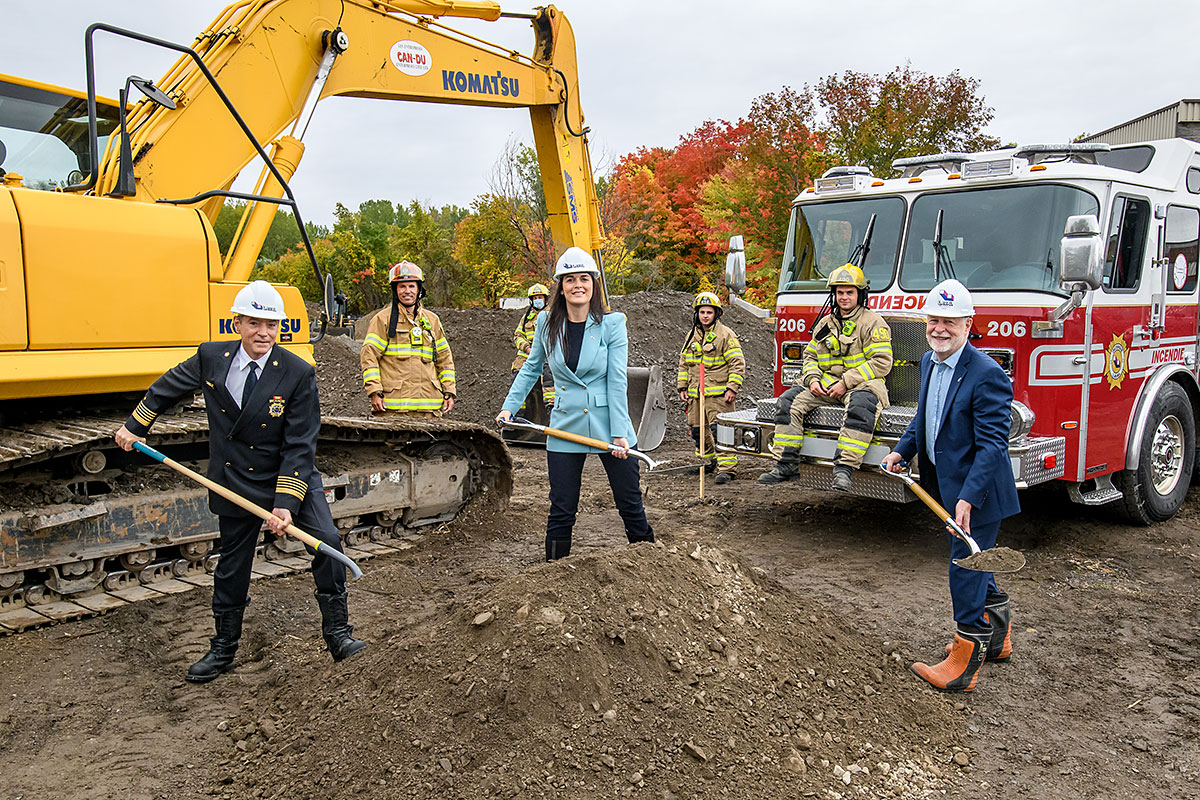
(823, 236)
(1005, 238)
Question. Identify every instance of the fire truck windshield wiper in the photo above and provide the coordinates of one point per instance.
(859, 257)
(941, 256)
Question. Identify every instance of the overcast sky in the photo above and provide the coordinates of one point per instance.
(652, 70)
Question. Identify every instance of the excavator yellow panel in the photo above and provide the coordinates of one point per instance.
(12, 278)
(59, 373)
(106, 273)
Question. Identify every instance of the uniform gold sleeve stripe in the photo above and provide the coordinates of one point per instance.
(144, 415)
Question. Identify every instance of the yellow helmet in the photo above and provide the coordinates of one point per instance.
(706, 299)
(537, 289)
(847, 275)
(405, 271)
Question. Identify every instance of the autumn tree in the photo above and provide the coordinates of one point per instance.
(872, 120)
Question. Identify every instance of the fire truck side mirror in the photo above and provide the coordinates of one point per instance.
(735, 266)
(1081, 254)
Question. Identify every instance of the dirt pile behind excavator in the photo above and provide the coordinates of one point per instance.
(666, 670)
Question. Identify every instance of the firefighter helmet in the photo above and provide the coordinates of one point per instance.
(573, 261)
(258, 299)
(707, 299)
(949, 299)
(847, 275)
(405, 271)
(537, 289)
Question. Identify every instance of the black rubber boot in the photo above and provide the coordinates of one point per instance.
(841, 478)
(336, 627)
(786, 468)
(557, 548)
(998, 612)
(723, 477)
(221, 648)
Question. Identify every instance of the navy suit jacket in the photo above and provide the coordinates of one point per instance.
(972, 440)
(265, 451)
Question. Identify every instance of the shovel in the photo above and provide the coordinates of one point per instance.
(256, 510)
(997, 559)
(523, 424)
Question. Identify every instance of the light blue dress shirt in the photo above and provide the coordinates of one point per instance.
(939, 386)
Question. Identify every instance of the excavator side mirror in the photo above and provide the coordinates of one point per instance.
(735, 266)
(126, 187)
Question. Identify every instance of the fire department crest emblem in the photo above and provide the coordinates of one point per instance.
(275, 406)
(1116, 361)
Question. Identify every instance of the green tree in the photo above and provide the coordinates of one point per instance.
(283, 234)
(874, 119)
(488, 244)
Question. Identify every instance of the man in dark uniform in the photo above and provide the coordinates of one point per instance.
(263, 417)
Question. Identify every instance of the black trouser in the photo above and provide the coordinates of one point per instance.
(239, 536)
(566, 473)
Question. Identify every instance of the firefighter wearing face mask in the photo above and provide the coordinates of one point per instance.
(717, 347)
(406, 361)
(845, 364)
(523, 340)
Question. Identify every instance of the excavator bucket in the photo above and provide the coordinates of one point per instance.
(647, 409)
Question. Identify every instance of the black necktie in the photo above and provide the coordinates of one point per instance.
(248, 389)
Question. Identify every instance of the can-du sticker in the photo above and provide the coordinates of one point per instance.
(411, 57)
(1180, 271)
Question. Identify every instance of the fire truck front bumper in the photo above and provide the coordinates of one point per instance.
(1034, 459)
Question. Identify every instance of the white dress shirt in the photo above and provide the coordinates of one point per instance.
(235, 379)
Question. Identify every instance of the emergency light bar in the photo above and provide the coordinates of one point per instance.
(915, 165)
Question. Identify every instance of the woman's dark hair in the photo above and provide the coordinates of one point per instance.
(556, 322)
(394, 320)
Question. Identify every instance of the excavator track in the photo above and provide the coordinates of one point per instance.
(86, 528)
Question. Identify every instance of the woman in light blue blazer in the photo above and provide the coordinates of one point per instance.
(588, 352)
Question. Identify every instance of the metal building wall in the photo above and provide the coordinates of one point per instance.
(1178, 119)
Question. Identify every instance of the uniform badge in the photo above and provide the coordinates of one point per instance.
(275, 406)
(210, 384)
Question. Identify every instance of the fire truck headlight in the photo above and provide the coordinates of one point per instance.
(1021, 419)
(791, 376)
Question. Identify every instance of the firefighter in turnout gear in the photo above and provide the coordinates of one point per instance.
(523, 340)
(717, 347)
(406, 361)
(263, 419)
(845, 364)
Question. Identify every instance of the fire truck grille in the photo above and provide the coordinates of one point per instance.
(908, 345)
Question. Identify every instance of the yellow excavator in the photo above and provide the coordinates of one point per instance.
(110, 274)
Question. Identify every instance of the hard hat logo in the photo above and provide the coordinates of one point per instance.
(706, 299)
(258, 299)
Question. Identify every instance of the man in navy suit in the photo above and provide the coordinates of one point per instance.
(263, 419)
(960, 437)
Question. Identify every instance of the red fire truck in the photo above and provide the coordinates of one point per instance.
(1082, 263)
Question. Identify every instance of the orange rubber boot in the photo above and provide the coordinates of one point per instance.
(960, 670)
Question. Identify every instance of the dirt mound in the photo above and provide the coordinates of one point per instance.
(655, 670)
(481, 339)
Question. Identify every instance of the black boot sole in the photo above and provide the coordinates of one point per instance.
(190, 678)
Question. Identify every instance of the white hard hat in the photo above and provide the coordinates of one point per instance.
(949, 299)
(575, 260)
(258, 299)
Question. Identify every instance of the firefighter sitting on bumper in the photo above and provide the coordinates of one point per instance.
(523, 340)
(724, 369)
(406, 361)
(845, 363)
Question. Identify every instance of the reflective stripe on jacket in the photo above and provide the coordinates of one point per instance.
(724, 364)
